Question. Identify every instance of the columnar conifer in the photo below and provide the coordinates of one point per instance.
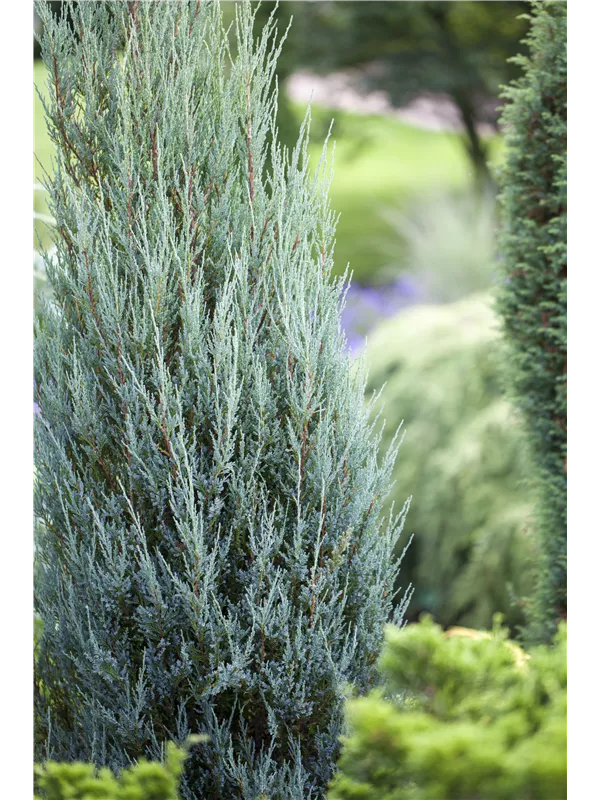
(533, 301)
(211, 555)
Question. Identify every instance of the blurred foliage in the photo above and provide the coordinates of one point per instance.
(533, 298)
(365, 184)
(43, 150)
(447, 242)
(462, 460)
(412, 48)
(288, 120)
(467, 715)
(146, 780)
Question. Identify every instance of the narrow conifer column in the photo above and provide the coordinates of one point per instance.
(533, 299)
(212, 557)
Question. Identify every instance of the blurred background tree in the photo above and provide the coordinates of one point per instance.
(409, 49)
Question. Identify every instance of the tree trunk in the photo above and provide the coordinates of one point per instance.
(476, 147)
(463, 97)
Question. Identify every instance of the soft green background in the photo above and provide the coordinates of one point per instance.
(462, 459)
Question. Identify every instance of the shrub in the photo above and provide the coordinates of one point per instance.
(463, 461)
(533, 299)
(466, 716)
(146, 780)
(212, 557)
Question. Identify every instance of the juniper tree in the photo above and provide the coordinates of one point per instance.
(211, 556)
(533, 300)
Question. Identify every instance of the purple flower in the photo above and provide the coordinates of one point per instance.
(368, 305)
(407, 287)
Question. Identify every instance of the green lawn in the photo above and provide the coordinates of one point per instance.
(378, 162)
(43, 149)
(381, 162)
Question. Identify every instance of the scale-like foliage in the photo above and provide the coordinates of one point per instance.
(212, 557)
(533, 301)
(466, 714)
(146, 780)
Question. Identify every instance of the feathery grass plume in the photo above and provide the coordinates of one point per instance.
(447, 243)
(211, 557)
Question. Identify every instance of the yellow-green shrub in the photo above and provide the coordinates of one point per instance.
(464, 717)
(146, 780)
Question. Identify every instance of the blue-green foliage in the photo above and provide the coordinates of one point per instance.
(533, 300)
(466, 715)
(211, 556)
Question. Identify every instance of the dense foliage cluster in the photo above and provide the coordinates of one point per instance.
(466, 715)
(533, 301)
(463, 461)
(211, 555)
(146, 780)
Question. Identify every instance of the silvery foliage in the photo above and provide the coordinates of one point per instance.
(211, 556)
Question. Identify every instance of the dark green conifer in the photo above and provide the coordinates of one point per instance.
(533, 300)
